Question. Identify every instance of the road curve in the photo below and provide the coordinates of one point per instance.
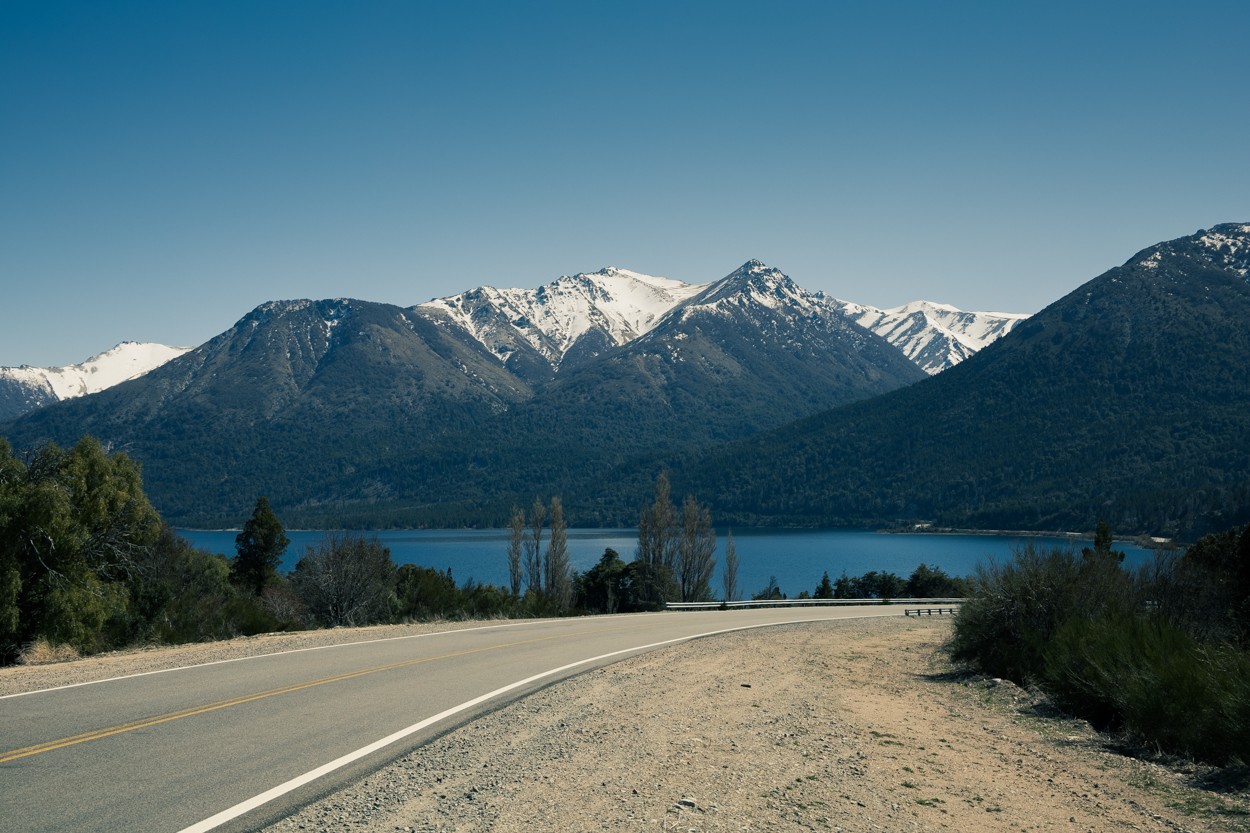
(234, 745)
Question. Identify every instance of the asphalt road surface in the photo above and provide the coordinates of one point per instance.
(235, 745)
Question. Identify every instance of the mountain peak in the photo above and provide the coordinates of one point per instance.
(1225, 246)
(610, 306)
(39, 386)
(755, 267)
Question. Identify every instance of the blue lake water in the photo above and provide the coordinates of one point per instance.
(797, 558)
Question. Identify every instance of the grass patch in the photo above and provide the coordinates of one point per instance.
(43, 652)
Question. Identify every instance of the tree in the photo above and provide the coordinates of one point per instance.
(187, 596)
(534, 548)
(657, 528)
(770, 593)
(556, 564)
(657, 547)
(516, 541)
(599, 588)
(824, 590)
(842, 587)
(1102, 545)
(932, 582)
(74, 528)
(730, 576)
(346, 580)
(260, 547)
(426, 593)
(696, 551)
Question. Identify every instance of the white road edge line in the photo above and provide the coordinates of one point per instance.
(295, 783)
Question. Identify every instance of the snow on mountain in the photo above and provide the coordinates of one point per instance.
(615, 303)
(935, 336)
(757, 283)
(1228, 247)
(620, 306)
(26, 388)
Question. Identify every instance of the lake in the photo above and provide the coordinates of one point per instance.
(796, 557)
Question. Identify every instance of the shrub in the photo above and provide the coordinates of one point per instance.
(1121, 650)
(1154, 682)
(43, 652)
(346, 580)
(1013, 610)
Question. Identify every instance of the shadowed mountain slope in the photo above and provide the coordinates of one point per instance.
(1128, 399)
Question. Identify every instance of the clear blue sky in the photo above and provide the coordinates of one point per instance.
(167, 166)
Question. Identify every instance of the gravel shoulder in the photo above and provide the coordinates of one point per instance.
(853, 726)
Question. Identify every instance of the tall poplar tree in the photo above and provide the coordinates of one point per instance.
(534, 547)
(516, 541)
(730, 576)
(696, 551)
(556, 564)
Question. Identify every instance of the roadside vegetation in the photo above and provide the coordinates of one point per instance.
(1160, 654)
(87, 565)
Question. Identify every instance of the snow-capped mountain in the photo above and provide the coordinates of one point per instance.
(573, 315)
(23, 389)
(577, 317)
(935, 336)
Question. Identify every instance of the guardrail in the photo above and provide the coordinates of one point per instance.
(928, 611)
(806, 603)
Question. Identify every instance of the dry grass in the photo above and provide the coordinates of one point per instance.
(43, 652)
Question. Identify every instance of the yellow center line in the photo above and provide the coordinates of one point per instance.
(143, 723)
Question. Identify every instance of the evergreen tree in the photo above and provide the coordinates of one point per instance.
(260, 547)
(599, 588)
(842, 587)
(1102, 545)
(824, 590)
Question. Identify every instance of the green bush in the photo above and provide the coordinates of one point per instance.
(1154, 682)
(1014, 609)
(1129, 652)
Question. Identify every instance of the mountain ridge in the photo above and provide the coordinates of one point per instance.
(1126, 400)
(537, 332)
(368, 404)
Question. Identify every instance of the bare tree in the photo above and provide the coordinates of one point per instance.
(516, 540)
(656, 557)
(696, 559)
(730, 575)
(534, 547)
(557, 583)
(346, 580)
(657, 528)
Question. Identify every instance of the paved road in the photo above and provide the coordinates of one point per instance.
(236, 745)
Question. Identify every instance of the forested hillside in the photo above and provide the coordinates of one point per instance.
(1128, 399)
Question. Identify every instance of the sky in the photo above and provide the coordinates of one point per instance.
(166, 167)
